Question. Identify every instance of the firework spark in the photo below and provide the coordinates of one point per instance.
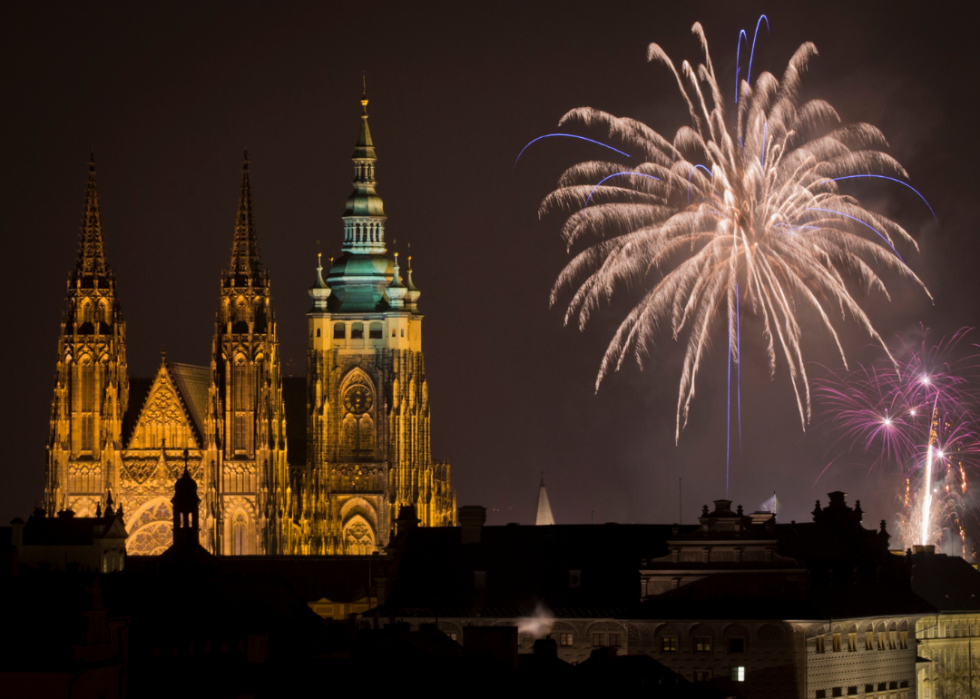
(920, 416)
(750, 212)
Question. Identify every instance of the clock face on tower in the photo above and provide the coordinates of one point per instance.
(358, 399)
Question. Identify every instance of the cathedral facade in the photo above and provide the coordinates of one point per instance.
(316, 465)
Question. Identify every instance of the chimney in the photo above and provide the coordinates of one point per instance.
(546, 647)
(17, 532)
(472, 519)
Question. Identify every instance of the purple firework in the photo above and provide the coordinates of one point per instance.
(919, 416)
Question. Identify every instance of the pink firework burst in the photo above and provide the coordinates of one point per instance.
(918, 415)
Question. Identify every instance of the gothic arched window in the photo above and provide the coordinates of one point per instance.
(88, 386)
(365, 437)
(349, 437)
(88, 432)
(241, 387)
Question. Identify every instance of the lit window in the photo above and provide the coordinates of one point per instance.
(738, 673)
(668, 644)
(904, 639)
(836, 642)
(819, 644)
(702, 675)
(736, 645)
(702, 644)
(566, 640)
(852, 642)
(869, 640)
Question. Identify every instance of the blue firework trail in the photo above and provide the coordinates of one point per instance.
(568, 135)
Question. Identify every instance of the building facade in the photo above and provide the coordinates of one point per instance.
(949, 639)
(365, 450)
(757, 609)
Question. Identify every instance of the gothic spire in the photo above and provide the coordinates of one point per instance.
(544, 516)
(245, 250)
(364, 215)
(91, 249)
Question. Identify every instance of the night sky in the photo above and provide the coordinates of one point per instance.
(169, 97)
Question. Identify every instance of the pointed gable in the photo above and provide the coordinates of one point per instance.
(164, 415)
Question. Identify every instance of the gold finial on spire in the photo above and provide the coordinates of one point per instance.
(364, 99)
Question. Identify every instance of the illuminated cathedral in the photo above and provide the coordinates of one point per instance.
(316, 465)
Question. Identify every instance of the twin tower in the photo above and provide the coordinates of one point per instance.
(319, 465)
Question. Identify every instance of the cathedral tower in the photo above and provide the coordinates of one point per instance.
(91, 384)
(368, 400)
(245, 403)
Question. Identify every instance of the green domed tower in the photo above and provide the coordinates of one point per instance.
(368, 415)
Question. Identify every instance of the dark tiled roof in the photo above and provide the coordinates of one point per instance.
(947, 582)
(193, 382)
(525, 566)
(65, 531)
(294, 399)
(848, 573)
(139, 389)
(340, 579)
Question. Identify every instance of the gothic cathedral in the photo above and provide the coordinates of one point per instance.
(314, 466)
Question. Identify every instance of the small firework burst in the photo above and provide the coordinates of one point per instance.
(920, 415)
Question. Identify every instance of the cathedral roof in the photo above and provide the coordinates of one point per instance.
(194, 382)
(188, 385)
